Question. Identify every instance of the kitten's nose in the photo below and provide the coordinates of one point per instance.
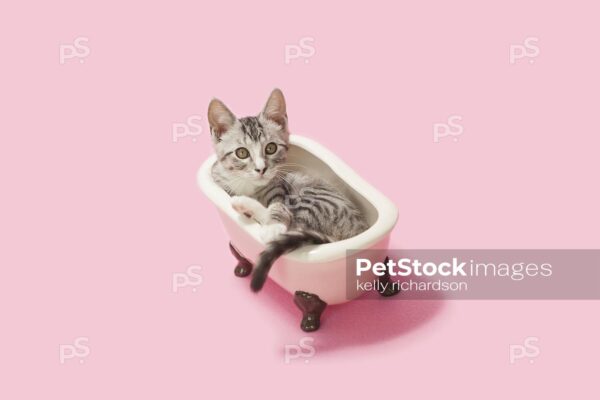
(261, 171)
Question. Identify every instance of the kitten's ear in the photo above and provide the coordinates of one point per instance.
(219, 118)
(275, 108)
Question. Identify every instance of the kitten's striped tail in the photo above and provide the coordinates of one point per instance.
(283, 244)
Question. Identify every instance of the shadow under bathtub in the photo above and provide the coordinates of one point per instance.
(370, 319)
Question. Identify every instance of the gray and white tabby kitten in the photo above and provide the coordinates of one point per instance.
(293, 207)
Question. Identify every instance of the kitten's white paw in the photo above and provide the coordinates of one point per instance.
(244, 205)
(269, 232)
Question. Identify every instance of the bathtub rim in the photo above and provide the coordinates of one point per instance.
(387, 213)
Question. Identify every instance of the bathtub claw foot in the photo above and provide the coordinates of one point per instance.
(312, 307)
(244, 267)
(389, 289)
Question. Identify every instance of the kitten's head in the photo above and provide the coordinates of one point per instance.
(250, 148)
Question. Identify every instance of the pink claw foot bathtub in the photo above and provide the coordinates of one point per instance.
(315, 275)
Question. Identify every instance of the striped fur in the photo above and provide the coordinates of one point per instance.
(285, 243)
(313, 211)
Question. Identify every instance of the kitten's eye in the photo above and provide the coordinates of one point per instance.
(242, 153)
(271, 148)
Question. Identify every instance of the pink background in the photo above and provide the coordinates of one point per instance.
(100, 206)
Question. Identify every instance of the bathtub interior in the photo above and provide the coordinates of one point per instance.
(380, 212)
(314, 166)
